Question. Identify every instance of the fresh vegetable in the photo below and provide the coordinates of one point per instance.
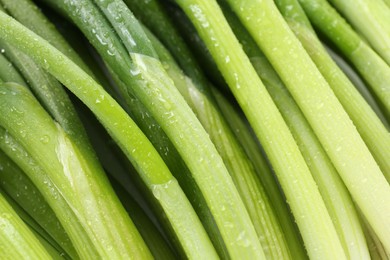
(194, 129)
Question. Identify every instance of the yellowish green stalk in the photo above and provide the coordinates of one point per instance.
(16, 239)
(328, 119)
(294, 176)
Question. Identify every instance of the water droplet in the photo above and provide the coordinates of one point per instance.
(22, 133)
(45, 64)
(44, 139)
(135, 71)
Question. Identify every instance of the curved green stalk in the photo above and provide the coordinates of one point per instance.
(110, 231)
(195, 43)
(165, 148)
(266, 176)
(309, 210)
(16, 240)
(141, 72)
(373, 132)
(20, 189)
(19, 155)
(8, 73)
(135, 145)
(359, 84)
(334, 129)
(122, 177)
(47, 89)
(372, 19)
(377, 251)
(334, 193)
(240, 168)
(153, 15)
(50, 93)
(51, 246)
(152, 236)
(115, 11)
(28, 14)
(373, 69)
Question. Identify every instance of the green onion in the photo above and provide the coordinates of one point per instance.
(373, 132)
(136, 147)
(308, 207)
(109, 232)
(373, 69)
(8, 72)
(23, 192)
(55, 251)
(330, 122)
(16, 240)
(266, 176)
(334, 193)
(372, 19)
(141, 70)
(240, 168)
(359, 84)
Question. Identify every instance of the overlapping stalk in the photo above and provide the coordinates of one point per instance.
(140, 71)
(371, 19)
(336, 197)
(16, 240)
(369, 64)
(336, 132)
(238, 164)
(19, 188)
(313, 220)
(138, 149)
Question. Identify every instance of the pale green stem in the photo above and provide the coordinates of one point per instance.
(16, 239)
(328, 119)
(240, 168)
(369, 64)
(152, 169)
(372, 19)
(294, 176)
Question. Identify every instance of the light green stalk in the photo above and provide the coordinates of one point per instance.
(298, 185)
(240, 168)
(373, 69)
(369, 126)
(152, 236)
(323, 111)
(135, 145)
(16, 240)
(146, 79)
(8, 72)
(19, 155)
(123, 178)
(377, 251)
(372, 19)
(54, 250)
(28, 14)
(247, 139)
(359, 84)
(21, 190)
(334, 193)
(78, 181)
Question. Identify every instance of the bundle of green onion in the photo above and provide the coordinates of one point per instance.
(200, 129)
